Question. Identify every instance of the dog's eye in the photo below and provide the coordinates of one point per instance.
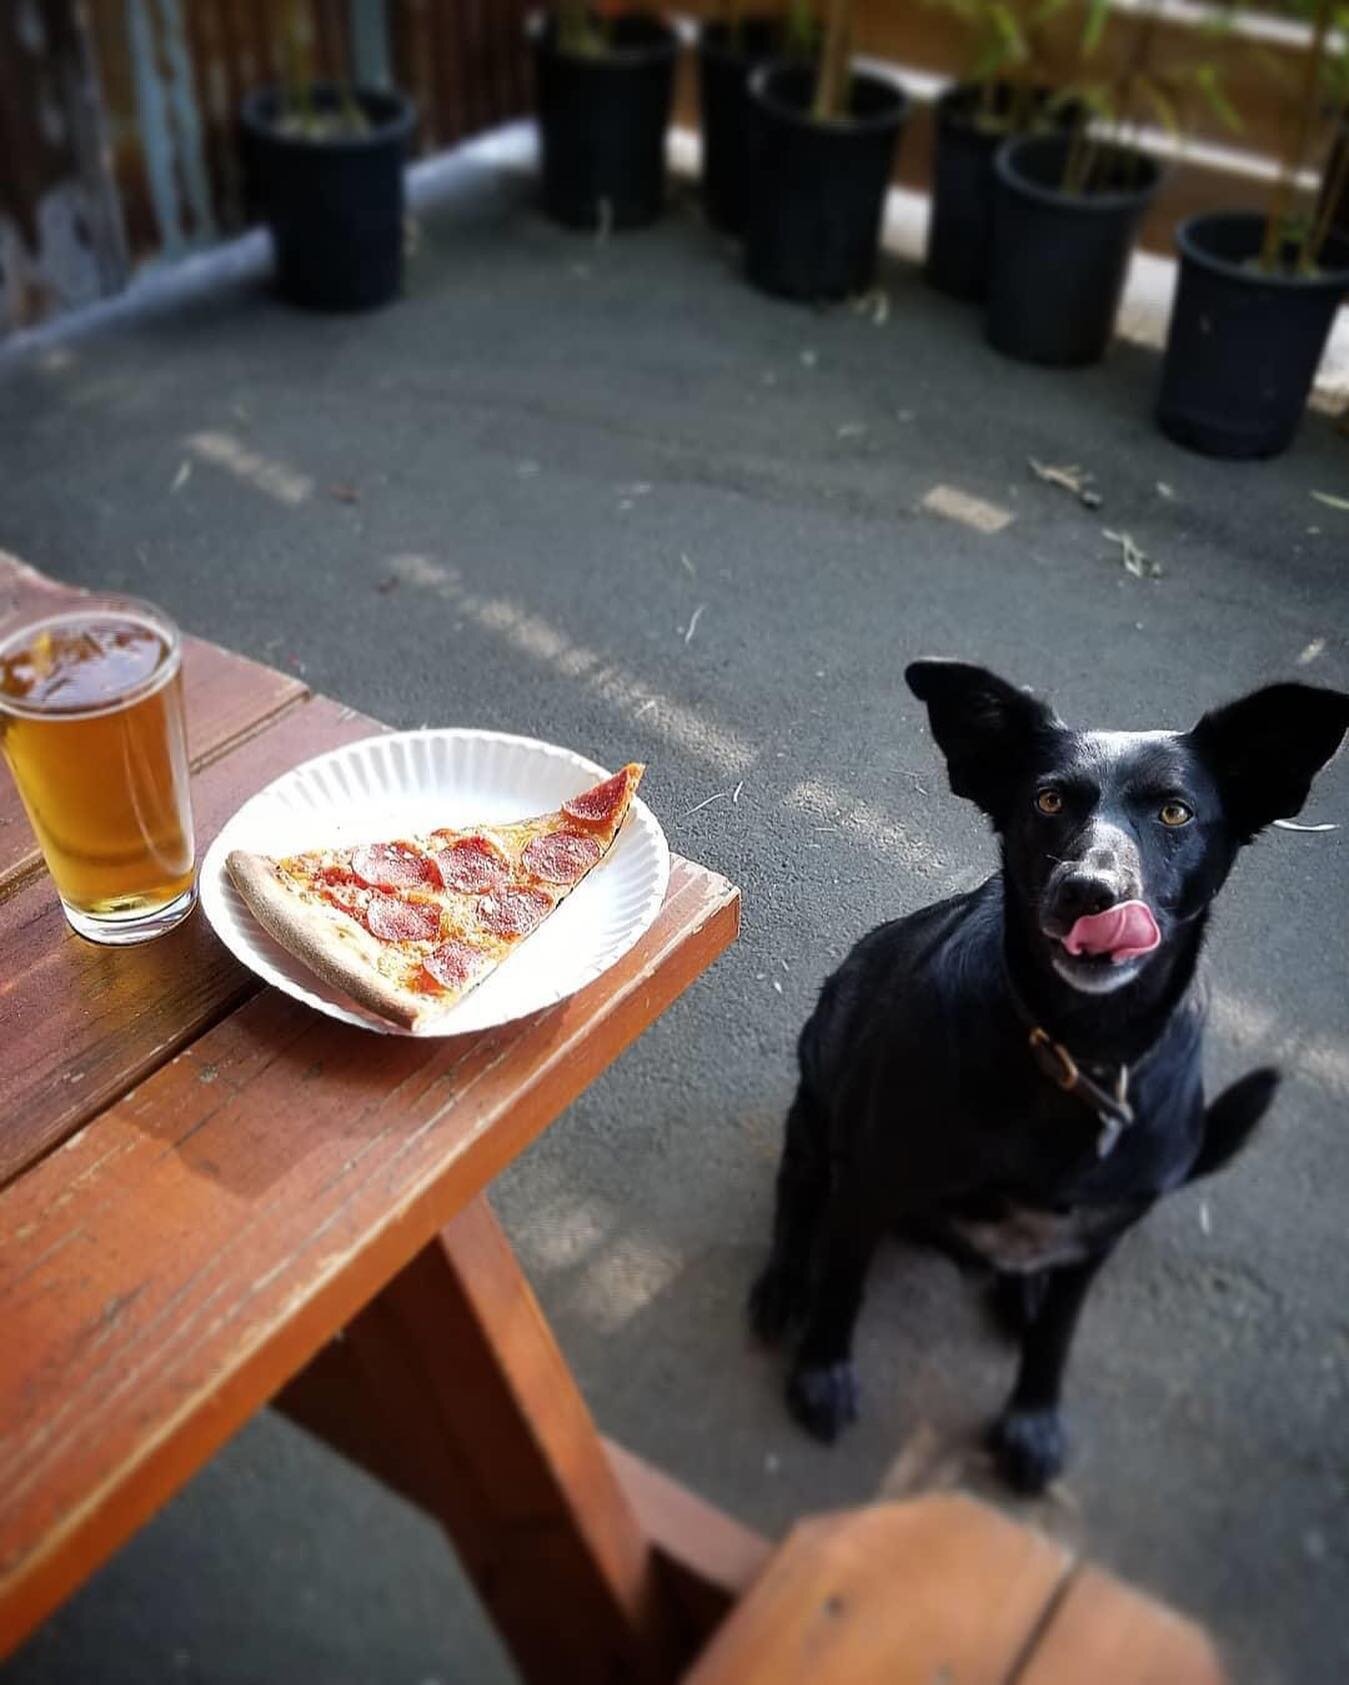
(1049, 802)
(1175, 813)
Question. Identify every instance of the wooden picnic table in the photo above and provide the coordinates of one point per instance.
(205, 1184)
(213, 1198)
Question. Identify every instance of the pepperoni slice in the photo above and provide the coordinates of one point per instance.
(514, 912)
(393, 920)
(391, 866)
(473, 866)
(454, 963)
(598, 805)
(561, 857)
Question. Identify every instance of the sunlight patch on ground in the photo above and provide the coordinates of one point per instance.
(1323, 1062)
(275, 479)
(1257, 1029)
(833, 806)
(623, 1280)
(1243, 1022)
(837, 808)
(565, 1231)
(712, 741)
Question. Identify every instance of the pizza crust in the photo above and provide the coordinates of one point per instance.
(344, 957)
(347, 957)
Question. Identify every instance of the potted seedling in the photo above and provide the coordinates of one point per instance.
(325, 161)
(731, 46)
(1004, 93)
(825, 140)
(1067, 205)
(1257, 293)
(605, 82)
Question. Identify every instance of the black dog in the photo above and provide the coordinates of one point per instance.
(1013, 1075)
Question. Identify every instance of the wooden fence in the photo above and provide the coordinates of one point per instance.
(118, 117)
(152, 89)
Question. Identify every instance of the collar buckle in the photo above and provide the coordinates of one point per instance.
(1113, 1111)
(1054, 1060)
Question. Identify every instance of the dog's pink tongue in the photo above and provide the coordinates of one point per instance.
(1123, 932)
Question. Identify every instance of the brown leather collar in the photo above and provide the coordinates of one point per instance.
(1055, 1062)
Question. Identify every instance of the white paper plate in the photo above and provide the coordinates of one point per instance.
(384, 787)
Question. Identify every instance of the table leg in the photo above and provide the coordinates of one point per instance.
(486, 1426)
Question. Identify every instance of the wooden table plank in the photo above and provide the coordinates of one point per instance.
(25, 593)
(1102, 1630)
(492, 1430)
(895, 1594)
(81, 1024)
(706, 1559)
(227, 698)
(190, 1250)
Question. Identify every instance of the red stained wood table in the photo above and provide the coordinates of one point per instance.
(212, 1199)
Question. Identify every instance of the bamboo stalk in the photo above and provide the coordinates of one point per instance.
(297, 60)
(831, 88)
(1021, 105)
(1140, 57)
(1333, 190)
(1285, 187)
(986, 110)
(1021, 99)
(574, 34)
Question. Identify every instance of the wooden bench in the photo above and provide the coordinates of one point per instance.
(945, 1591)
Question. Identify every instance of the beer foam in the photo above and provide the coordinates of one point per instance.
(86, 661)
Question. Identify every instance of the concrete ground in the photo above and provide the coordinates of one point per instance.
(608, 495)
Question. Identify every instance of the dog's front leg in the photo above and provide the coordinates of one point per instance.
(822, 1387)
(1028, 1439)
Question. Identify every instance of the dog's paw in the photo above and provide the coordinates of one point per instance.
(823, 1399)
(776, 1301)
(1029, 1448)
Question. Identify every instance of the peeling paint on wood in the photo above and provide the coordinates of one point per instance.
(118, 118)
(61, 240)
(170, 127)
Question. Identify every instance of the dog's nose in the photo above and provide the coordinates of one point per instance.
(1081, 894)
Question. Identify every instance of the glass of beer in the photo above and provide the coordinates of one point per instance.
(91, 723)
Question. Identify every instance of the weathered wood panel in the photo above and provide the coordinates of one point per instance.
(61, 236)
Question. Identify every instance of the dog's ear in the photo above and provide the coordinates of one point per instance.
(1265, 749)
(984, 726)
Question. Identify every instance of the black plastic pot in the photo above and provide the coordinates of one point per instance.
(1244, 345)
(818, 189)
(726, 60)
(971, 124)
(334, 204)
(602, 121)
(1059, 259)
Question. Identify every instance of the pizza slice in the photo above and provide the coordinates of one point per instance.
(409, 927)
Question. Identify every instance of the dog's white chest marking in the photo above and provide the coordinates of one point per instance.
(1023, 1239)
